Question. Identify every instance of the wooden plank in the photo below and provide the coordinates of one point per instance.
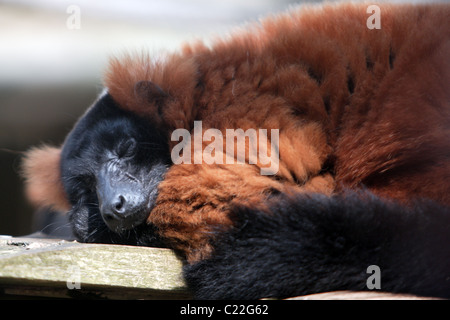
(64, 269)
(59, 268)
(360, 295)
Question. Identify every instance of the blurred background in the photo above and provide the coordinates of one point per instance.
(53, 54)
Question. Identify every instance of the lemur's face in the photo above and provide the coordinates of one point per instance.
(111, 165)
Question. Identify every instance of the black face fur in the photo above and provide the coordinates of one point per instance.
(111, 165)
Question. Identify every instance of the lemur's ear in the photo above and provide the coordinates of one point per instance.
(42, 173)
(160, 90)
(148, 91)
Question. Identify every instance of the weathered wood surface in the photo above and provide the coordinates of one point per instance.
(58, 268)
(360, 295)
(64, 269)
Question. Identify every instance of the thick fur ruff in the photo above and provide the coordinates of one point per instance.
(43, 185)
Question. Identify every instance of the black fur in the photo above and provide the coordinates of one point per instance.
(109, 137)
(314, 243)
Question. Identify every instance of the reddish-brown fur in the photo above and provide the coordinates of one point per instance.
(373, 105)
(43, 185)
